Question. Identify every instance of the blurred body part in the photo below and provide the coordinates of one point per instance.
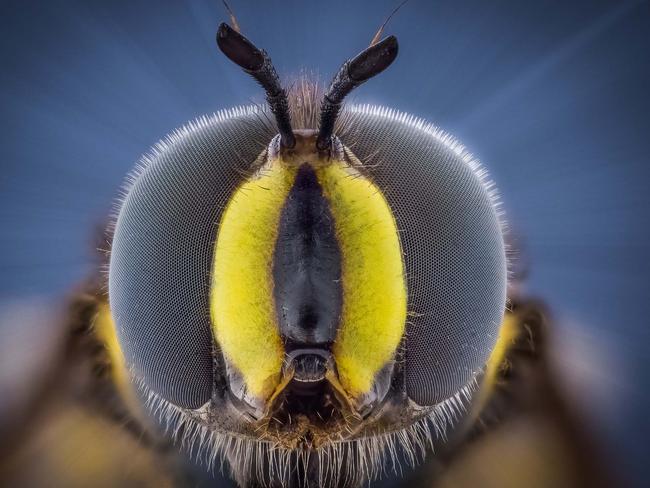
(78, 421)
(72, 420)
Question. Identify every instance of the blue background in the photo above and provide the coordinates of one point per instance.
(552, 96)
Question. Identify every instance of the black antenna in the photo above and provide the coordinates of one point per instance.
(258, 64)
(353, 73)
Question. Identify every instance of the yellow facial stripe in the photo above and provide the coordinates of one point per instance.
(242, 308)
(373, 314)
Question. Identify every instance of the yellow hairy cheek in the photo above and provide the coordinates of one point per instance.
(372, 274)
(242, 308)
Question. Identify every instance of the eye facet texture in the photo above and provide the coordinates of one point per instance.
(162, 253)
(163, 250)
(453, 247)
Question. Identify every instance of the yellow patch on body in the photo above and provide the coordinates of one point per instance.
(507, 335)
(374, 307)
(242, 306)
(105, 331)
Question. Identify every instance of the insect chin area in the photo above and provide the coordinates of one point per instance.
(309, 407)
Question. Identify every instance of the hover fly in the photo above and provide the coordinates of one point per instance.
(308, 294)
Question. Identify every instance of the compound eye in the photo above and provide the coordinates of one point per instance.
(454, 254)
(162, 253)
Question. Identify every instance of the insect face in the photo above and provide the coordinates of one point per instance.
(308, 274)
(284, 291)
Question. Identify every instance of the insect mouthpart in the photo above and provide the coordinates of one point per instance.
(309, 368)
(309, 407)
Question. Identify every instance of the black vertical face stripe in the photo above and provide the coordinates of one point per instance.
(307, 266)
